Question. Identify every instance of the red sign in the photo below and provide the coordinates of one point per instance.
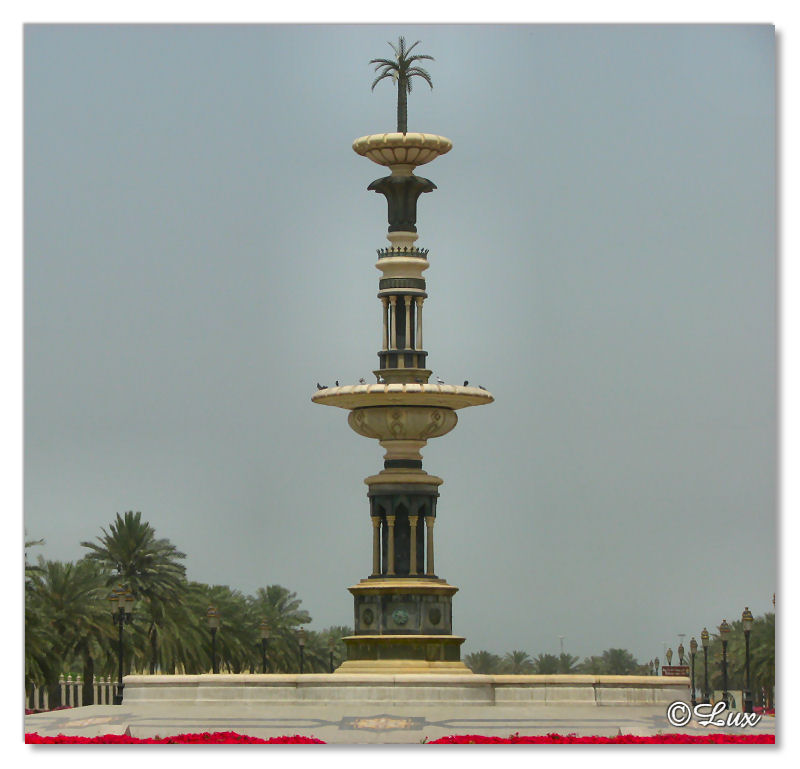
(675, 670)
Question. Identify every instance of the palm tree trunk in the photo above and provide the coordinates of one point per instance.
(402, 106)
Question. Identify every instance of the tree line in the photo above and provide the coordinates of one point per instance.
(622, 662)
(68, 627)
(611, 662)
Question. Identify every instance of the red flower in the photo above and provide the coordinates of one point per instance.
(551, 739)
(207, 738)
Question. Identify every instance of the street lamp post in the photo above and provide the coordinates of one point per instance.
(301, 642)
(693, 652)
(704, 638)
(724, 632)
(264, 628)
(331, 647)
(121, 612)
(213, 619)
(747, 624)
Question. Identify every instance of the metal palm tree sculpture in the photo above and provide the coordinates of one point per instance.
(402, 71)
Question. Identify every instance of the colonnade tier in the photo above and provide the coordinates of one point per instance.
(401, 291)
(402, 530)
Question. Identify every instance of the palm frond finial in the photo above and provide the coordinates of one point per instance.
(402, 70)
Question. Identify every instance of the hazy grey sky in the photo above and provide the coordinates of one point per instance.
(199, 251)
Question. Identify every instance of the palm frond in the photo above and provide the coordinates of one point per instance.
(379, 78)
(419, 72)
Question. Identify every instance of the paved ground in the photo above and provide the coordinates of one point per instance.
(353, 723)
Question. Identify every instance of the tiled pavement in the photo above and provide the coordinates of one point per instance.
(354, 723)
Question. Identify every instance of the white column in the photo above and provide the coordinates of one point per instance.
(385, 303)
(419, 323)
(412, 535)
(393, 342)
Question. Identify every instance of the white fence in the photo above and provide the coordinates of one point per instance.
(70, 693)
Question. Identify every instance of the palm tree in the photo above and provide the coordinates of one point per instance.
(594, 664)
(517, 663)
(335, 633)
(39, 637)
(147, 566)
(281, 609)
(619, 662)
(546, 664)
(237, 644)
(401, 71)
(73, 599)
(483, 662)
(567, 664)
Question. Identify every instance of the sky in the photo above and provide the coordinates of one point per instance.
(199, 250)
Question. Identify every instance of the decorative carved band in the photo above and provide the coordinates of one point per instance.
(421, 253)
(385, 283)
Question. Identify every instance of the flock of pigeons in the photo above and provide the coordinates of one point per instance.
(439, 380)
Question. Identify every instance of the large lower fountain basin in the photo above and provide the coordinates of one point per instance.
(402, 394)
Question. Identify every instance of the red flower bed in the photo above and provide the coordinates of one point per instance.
(203, 738)
(231, 738)
(573, 739)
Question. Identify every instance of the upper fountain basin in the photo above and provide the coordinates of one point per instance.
(405, 394)
(409, 149)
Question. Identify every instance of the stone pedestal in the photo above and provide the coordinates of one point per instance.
(403, 625)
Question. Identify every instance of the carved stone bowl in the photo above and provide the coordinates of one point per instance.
(402, 423)
(396, 149)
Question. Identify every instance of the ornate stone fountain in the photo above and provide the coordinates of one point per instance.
(403, 610)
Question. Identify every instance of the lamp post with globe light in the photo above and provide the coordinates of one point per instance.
(693, 652)
(704, 639)
(331, 647)
(264, 629)
(724, 632)
(747, 625)
(213, 620)
(121, 612)
(301, 642)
